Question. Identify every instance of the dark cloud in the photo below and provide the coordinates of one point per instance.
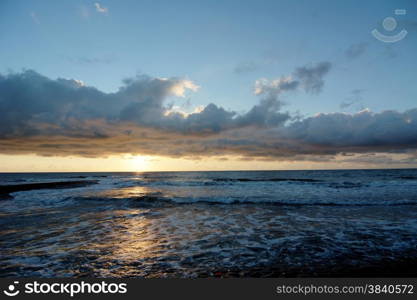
(31, 104)
(387, 130)
(65, 117)
(356, 50)
(267, 112)
(311, 77)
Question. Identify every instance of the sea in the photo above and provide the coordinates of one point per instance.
(209, 224)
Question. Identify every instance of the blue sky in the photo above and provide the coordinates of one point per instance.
(206, 41)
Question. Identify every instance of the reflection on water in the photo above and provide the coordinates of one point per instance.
(122, 193)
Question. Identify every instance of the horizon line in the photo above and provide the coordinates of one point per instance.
(168, 171)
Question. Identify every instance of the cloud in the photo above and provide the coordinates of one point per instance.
(32, 104)
(67, 117)
(184, 85)
(101, 9)
(311, 77)
(276, 86)
(387, 130)
(356, 50)
(268, 112)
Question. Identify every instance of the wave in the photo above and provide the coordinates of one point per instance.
(210, 181)
(267, 179)
(347, 185)
(89, 176)
(408, 177)
(161, 201)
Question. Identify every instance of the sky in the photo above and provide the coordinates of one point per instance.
(207, 85)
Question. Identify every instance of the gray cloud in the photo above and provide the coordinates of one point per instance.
(267, 112)
(273, 88)
(387, 130)
(311, 77)
(31, 104)
(65, 117)
(356, 50)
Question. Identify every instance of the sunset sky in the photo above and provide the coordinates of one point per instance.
(206, 85)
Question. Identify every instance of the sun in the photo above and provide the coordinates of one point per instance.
(138, 163)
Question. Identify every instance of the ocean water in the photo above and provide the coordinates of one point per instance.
(198, 224)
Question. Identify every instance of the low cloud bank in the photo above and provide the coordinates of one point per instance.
(66, 117)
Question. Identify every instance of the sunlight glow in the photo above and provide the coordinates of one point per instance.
(138, 163)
